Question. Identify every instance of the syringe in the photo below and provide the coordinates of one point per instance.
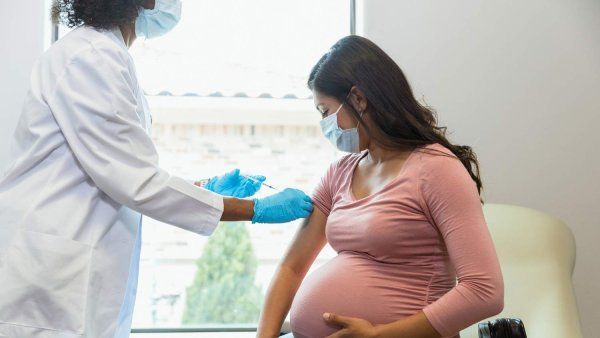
(263, 183)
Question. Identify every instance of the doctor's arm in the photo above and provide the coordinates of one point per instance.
(94, 103)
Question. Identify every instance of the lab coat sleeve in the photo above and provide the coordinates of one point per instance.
(94, 103)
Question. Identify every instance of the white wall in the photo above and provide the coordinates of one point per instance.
(22, 40)
(520, 82)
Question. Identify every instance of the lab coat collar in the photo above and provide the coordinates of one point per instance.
(118, 37)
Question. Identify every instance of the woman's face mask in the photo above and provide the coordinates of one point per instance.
(151, 23)
(346, 140)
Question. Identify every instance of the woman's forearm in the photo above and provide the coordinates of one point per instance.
(236, 209)
(415, 326)
(278, 301)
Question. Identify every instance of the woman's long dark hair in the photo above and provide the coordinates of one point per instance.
(400, 121)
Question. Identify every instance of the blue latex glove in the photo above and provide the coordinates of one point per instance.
(282, 207)
(235, 185)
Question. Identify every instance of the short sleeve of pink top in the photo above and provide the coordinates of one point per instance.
(402, 249)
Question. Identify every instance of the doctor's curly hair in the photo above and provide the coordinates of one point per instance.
(103, 14)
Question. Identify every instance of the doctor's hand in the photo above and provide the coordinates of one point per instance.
(235, 185)
(349, 327)
(286, 206)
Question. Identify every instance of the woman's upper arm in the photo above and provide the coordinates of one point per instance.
(307, 243)
(310, 237)
(451, 201)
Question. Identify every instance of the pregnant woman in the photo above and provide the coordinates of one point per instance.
(402, 210)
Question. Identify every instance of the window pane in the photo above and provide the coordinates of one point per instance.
(190, 280)
(231, 47)
(252, 47)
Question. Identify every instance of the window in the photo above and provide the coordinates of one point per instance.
(227, 89)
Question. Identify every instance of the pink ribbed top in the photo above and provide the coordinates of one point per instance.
(402, 249)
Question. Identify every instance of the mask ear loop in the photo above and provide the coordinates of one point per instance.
(339, 108)
(360, 114)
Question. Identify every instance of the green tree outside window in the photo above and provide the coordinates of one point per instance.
(223, 291)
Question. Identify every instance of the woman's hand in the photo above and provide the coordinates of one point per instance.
(351, 327)
(235, 185)
(414, 326)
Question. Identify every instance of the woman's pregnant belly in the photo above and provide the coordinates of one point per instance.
(355, 285)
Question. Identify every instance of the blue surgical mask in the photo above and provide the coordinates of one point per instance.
(344, 139)
(151, 23)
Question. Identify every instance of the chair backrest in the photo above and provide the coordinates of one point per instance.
(537, 256)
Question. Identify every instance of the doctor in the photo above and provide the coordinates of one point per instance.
(84, 170)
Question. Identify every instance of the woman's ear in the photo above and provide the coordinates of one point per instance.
(358, 99)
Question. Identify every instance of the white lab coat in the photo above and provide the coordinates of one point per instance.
(84, 170)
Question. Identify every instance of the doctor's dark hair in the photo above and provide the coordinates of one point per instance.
(103, 14)
(399, 120)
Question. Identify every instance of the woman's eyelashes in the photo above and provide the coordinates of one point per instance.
(323, 111)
